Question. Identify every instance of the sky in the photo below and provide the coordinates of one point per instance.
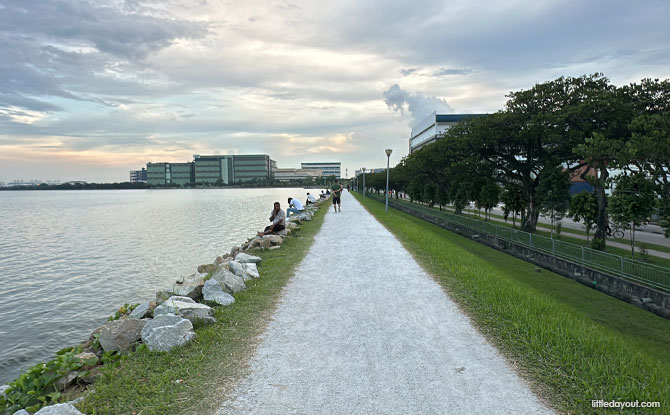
(92, 89)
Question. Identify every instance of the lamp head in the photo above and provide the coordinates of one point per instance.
(388, 152)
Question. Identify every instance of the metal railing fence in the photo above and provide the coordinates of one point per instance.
(643, 273)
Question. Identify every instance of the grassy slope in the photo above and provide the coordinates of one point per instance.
(574, 343)
(193, 379)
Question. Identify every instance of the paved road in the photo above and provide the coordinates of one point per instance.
(362, 329)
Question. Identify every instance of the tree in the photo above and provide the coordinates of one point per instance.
(554, 193)
(584, 208)
(540, 127)
(632, 202)
(513, 202)
(489, 196)
(649, 147)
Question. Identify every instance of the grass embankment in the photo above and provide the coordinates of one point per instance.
(573, 343)
(194, 379)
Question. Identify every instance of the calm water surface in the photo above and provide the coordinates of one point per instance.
(69, 259)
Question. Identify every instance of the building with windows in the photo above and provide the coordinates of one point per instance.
(434, 126)
(163, 174)
(138, 176)
(327, 169)
(284, 175)
(231, 169)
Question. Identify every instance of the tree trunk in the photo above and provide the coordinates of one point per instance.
(601, 221)
(632, 242)
(531, 215)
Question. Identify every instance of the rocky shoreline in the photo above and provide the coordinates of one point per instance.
(158, 325)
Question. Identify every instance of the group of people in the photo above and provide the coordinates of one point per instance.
(295, 206)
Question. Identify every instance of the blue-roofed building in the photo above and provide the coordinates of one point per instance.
(434, 126)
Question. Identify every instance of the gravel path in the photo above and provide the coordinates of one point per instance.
(362, 329)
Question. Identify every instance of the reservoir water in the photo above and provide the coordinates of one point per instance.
(69, 259)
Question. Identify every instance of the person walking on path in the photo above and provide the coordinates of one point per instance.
(278, 219)
(294, 206)
(337, 193)
(381, 338)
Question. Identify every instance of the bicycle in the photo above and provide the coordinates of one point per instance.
(615, 231)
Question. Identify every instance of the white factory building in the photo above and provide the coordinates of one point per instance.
(434, 126)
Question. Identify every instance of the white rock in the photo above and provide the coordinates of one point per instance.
(121, 335)
(213, 292)
(251, 270)
(237, 268)
(140, 312)
(168, 331)
(21, 412)
(276, 239)
(190, 310)
(242, 257)
(59, 409)
(283, 234)
(229, 281)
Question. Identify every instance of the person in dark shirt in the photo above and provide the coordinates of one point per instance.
(278, 219)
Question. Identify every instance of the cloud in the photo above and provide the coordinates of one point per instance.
(445, 71)
(79, 51)
(418, 104)
(196, 76)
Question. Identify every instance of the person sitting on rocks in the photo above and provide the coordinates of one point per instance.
(278, 219)
(310, 199)
(294, 206)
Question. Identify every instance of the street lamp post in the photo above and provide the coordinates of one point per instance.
(388, 158)
(363, 170)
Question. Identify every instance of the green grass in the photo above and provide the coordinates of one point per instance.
(194, 379)
(573, 343)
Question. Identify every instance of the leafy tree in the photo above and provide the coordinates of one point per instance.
(632, 202)
(649, 147)
(554, 193)
(584, 208)
(513, 202)
(489, 196)
(428, 194)
(459, 197)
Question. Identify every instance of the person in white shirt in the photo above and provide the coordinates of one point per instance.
(310, 199)
(294, 206)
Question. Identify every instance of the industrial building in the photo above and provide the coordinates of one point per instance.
(434, 126)
(170, 173)
(284, 175)
(327, 169)
(231, 169)
(138, 176)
